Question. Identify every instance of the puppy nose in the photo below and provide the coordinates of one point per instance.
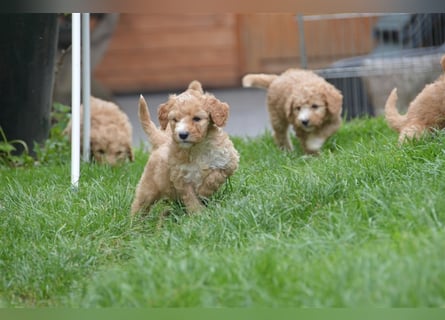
(183, 135)
(305, 122)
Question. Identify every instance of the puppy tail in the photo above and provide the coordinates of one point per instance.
(156, 136)
(195, 85)
(259, 80)
(392, 115)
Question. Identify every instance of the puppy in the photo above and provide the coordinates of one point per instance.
(425, 112)
(110, 132)
(304, 100)
(191, 155)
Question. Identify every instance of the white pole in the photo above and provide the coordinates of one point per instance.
(86, 85)
(75, 101)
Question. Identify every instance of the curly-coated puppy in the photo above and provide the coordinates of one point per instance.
(425, 112)
(304, 100)
(191, 155)
(110, 132)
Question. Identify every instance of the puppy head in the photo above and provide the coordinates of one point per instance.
(194, 89)
(191, 115)
(308, 113)
(111, 153)
(109, 145)
(310, 109)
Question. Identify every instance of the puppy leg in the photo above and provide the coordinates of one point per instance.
(280, 129)
(281, 136)
(143, 200)
(282, 140)
(190, 199)
(411, 132)
(212, 182)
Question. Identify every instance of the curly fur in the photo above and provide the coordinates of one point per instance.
(191, 155)
(110, 132)
(304, 100)
(425, 112)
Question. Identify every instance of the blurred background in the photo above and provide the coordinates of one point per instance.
(363, 55)
(165, 52)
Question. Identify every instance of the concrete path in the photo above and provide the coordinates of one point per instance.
(248, 113)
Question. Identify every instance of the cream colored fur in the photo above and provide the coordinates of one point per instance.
(303, 100)
(191, 155)
(425, 112)
(110, 132)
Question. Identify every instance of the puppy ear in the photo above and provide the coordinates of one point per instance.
(288, 110)
(164, 110)
(219, 111)
(333, 99)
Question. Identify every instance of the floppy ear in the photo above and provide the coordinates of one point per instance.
(164, 110)
(219, 111)
(333, 99)
(288, 110)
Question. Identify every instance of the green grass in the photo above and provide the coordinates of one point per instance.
(360, 225)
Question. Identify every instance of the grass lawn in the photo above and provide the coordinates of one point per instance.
(360, 225)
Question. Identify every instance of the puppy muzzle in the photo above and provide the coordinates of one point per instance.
(182, 139)
(183, 135)
(306, 125)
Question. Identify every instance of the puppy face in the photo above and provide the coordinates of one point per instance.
(110, 152)
(309, 108)
(189, 122)
(192, 114)
(308, 115)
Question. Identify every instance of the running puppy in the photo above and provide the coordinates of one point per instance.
(304, 100)
(191, 155)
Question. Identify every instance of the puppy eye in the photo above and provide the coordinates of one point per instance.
(298, 108)
(196, 119)
(101, 151)
(314, 106)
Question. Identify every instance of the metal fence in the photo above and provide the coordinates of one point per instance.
(395, 50)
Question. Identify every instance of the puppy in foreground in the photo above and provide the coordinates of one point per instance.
(191, 155)
(304, 100)
(110, 133)
(425, 112)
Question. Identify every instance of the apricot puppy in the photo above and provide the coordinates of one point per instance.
(191, 155)
(304, 100)
(425, 112)
(111, 133)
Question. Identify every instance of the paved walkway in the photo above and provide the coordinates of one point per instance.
(248, 113)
